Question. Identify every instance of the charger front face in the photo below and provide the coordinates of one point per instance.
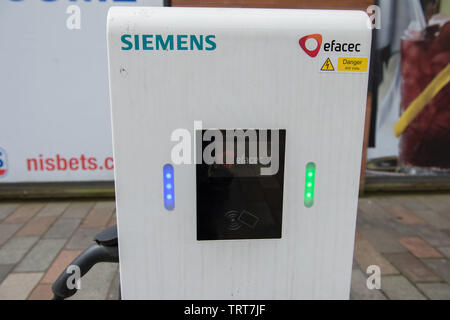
(237, 144)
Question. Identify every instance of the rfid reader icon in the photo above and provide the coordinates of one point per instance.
(312, 53)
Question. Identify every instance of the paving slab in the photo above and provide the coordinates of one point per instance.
(8, 230)
(366, 255)
(434, 219)
(78, 209)
(443, 197)
(359, 289)
(445, 251)
(100, 215)
(412, 268)
(82, 238)
(445, 215)
(440, 267)
(4, 271)
(436, 238)
(42, 292)
(435, 291)
(112, 221)
(363, 222)
(383, 241)
(399, 288)
(24, 212)
(17, 286)
(419, 248)
(373, 210)
(15, 249)
(355, 264)
(378, 218)
(63, 228)
(383, 201)
(435, 203)
(37, 226)
(53, 209)
(6, 209)
(404, 215)
(114, 289)
(410, 202)
(41, 256)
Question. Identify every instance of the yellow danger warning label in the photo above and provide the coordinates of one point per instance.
(353, 64)
(327, 66)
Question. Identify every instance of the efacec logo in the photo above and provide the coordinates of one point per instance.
(333, 46)
(168, 42)
(313, 52)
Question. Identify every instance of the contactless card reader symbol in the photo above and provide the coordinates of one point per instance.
(236, 219)
(232, 219)
(250, 220)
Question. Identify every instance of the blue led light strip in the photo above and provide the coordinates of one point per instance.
(169, 187)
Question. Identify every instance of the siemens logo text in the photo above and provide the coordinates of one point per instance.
(168, 42)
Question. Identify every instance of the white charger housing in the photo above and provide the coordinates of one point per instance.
(303, 73)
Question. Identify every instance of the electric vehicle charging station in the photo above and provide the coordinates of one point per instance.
(294, 82)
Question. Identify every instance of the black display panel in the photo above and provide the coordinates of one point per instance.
(240, 177)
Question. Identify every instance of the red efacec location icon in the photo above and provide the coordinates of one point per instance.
(315, 52)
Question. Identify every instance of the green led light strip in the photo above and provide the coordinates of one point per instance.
(310, 181)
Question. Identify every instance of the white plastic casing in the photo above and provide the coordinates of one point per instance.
(258, 76)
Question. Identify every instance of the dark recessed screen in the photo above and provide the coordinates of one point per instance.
(240, 176)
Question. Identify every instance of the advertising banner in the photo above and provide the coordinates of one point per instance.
(55, 120)
(413, 111)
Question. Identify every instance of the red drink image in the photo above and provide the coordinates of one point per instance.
(425, 144)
